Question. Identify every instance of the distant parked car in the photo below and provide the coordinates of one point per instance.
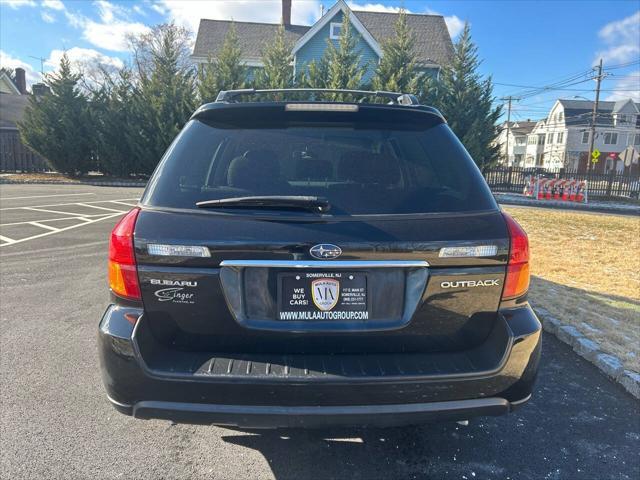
(303, 264)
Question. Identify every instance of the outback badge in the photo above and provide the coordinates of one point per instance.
(325, 251)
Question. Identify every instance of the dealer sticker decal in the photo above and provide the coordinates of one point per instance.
(325, 293)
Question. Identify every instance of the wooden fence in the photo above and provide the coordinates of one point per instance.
(601, 185)
(17, 157)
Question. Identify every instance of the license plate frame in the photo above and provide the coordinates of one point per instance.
(297, 300)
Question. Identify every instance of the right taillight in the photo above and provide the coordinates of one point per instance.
(123, 273)
(516, 283)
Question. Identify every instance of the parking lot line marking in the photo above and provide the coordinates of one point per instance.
(123, 203)
(75, 217)
(73, 214)
(101, 208)
(46, 227)
(7, 240)
(11, 241)
(47, 196)
(68, 203)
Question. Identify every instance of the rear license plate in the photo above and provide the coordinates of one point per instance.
(322, 296)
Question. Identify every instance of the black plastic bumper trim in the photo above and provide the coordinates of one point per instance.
(264, 416)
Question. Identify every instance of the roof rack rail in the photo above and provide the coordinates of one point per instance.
(230, 96)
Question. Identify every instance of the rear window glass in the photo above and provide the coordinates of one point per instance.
(358, 171)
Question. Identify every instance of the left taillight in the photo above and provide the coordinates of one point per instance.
(123, 272)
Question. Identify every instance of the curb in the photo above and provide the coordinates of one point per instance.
(590, 350)
(507, 200)
(4, 181)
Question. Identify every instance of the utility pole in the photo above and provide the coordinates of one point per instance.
(42, 60)
(509, 99)
(594, 116)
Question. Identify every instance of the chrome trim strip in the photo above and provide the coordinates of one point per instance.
(325, 263)
(520, 402)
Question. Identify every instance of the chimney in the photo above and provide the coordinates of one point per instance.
(39, 89)
(21, 81)
(286, 12)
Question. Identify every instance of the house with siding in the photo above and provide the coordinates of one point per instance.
(433, 46)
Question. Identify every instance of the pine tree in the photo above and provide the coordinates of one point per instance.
(226, 72)
(112, 118)
(339, 67)
(163, 98)
(465, 99)
(397, 71)
(56, 125)
(277, 60)
(345, 69)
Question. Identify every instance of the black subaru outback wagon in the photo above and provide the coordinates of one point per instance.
(297, 264)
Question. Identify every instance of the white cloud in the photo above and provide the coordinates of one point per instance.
(454, 23)
(47, 17)
(7, 61)
(111, 31)
(53, 4)
(81, 58)
(373, 7)
(19, 3)
(627, 87)
(189, 12)
(139, 10)
(621, 39)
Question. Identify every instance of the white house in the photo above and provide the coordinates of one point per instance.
(566, 133)
(516, 145)
(534, 151)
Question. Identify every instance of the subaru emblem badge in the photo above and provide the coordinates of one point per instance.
(325, 251)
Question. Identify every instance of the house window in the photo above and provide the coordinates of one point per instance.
(560, 116)
(549, 137)
(621, 119)
(610, 138)
(636, 141)
(585, 137)
(559, 137)
(520, 141)
(334, 30)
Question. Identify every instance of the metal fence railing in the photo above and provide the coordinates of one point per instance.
(601, 185)
(17, 157)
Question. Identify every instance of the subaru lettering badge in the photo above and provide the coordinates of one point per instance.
(325, 251)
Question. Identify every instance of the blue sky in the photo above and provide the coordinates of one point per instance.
(528, 43)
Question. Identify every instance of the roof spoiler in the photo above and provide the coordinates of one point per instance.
(231, 96)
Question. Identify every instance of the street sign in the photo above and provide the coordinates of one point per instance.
(595, 154)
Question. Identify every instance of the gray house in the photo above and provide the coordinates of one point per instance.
(433, 42)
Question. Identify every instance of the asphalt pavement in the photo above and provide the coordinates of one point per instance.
(55, 421)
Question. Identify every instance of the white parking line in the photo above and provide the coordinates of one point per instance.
(47, 196)
(63, 204)
(7, 240)
(13, 242)
(75, 217)
(46, 227)
(99, 208)
(60, 212)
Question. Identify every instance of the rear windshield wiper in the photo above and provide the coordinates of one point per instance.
(313, 204)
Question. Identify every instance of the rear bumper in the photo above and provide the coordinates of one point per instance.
(268, 416)
(185, 395)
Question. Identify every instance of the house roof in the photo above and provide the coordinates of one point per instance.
(7, 83)
(252, 37)
(12, 109)
(521, 128)
(433, 43)
(578, 112)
